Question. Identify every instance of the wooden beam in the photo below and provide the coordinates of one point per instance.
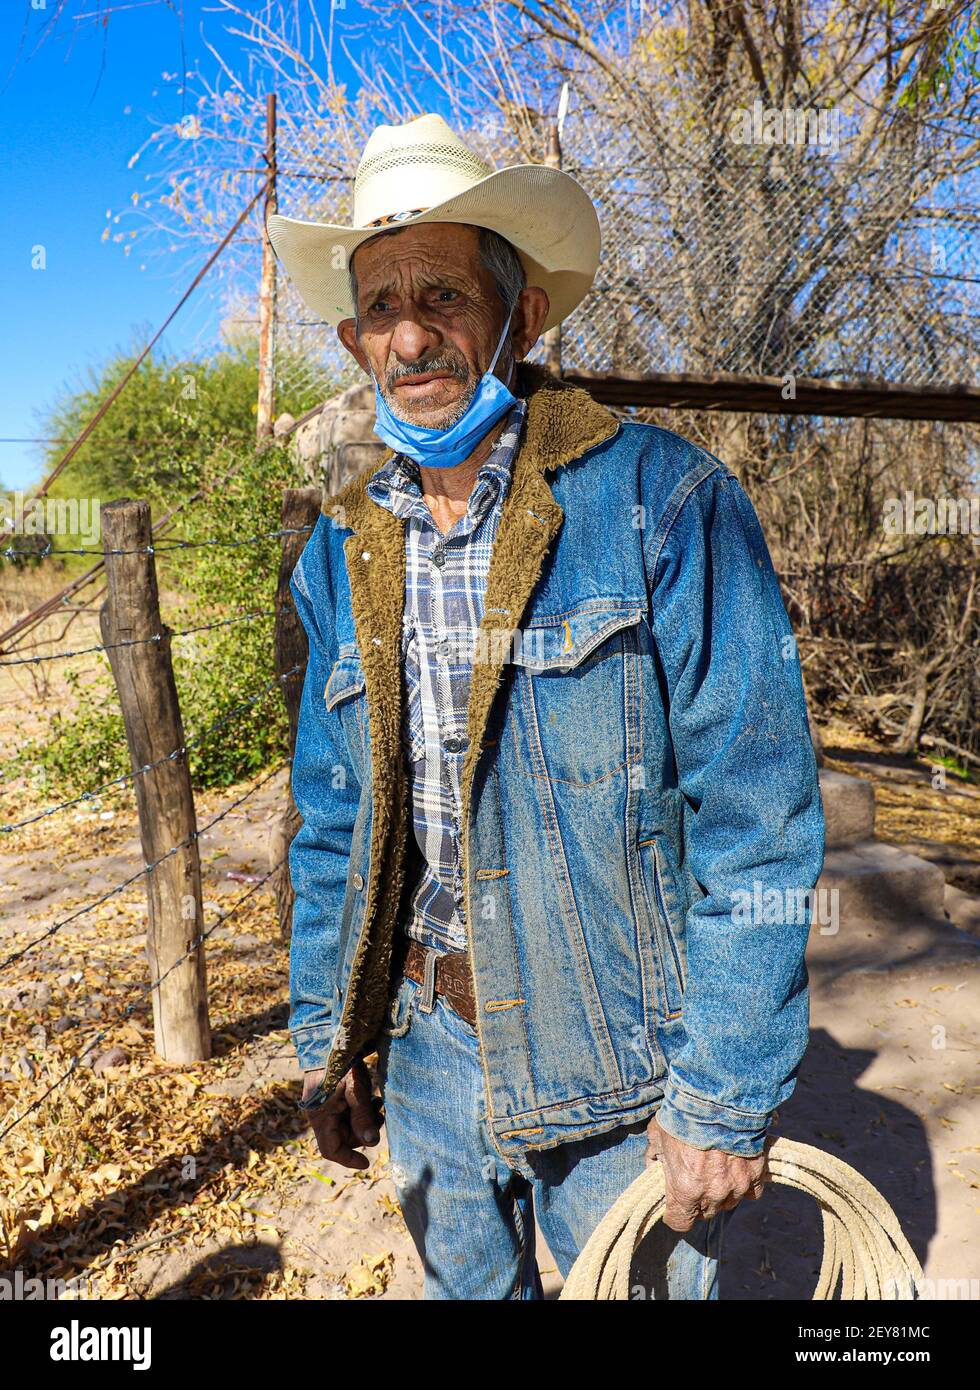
(880, 400)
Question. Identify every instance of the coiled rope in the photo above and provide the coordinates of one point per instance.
(863, 1244)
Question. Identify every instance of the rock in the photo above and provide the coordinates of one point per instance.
(25, 1067)
(62, 1025)
(39, 1037)
(306, 443)
(963, 910)
(353, 427)
(112, 1057)
(347, 460)
(848, 808)
(283, 425)
(245, 940)
(339, 440)
(960, 866)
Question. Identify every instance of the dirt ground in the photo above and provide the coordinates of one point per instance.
(143, 1179)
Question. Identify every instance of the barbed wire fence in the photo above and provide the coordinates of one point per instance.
(20, 648)
(59, 1077)
(175, 755)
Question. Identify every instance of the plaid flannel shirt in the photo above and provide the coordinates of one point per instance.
(445, 580)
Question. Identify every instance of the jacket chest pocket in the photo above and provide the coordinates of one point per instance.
(575, 698)
(345, 693)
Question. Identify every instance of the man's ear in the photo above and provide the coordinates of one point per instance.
(347, 333)
(533, 305)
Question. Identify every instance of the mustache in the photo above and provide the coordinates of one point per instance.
(442, 361)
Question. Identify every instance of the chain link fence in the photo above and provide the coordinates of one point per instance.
(720, 256)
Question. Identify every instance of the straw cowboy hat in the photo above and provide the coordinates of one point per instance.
(422, 172)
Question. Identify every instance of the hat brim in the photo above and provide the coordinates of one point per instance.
(544, 213)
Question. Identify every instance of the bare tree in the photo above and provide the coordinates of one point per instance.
(728, 245)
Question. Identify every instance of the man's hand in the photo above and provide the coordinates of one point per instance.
(347, 1120)
(702, 1182)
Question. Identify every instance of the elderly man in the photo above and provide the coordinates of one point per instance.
(552, 753)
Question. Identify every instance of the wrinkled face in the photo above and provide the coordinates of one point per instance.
(428, 320)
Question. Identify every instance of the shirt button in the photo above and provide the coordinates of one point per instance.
(439, 556)
(358, 882)
(454, 745)
(443, 648)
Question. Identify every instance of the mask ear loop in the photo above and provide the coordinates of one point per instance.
(500, 342)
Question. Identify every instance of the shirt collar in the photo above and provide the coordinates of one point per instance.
(396, 485)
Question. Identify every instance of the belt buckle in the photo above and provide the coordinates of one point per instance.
(426, 1001)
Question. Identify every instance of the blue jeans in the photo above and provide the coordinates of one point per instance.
(470, 1216)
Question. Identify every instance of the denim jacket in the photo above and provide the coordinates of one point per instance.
(641, 815)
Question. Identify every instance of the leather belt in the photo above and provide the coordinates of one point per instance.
(448, 975)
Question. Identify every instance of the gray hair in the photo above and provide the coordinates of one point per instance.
(497, 255)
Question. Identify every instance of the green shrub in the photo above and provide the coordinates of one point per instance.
(219, 673)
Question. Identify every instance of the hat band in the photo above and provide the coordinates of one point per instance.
(395, 217)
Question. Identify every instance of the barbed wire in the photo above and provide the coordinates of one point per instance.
(141, 873)
(142, 641)
(132, 369)
(159, 549)
(49, 607)
(150, 767)
(144, 992)
(116, 442)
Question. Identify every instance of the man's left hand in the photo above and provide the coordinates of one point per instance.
(702, 1182)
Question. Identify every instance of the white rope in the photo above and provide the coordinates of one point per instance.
(863, 1244)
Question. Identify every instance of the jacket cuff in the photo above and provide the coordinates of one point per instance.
(313, 1043)
(705, 1124)
(316, 1098)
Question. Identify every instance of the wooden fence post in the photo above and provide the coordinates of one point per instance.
(148, 697)
(300, 507)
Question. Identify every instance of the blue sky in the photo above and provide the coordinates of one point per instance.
(71, 115)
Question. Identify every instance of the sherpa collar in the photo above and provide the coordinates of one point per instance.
(563, 422)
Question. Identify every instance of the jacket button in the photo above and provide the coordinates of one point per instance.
(358, 882)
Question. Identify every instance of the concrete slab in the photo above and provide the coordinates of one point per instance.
(878, 882)
(848, 808)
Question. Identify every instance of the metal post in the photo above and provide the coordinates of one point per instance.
(267, 289)
(552, 339)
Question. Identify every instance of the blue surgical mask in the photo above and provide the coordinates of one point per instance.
(446, 448)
